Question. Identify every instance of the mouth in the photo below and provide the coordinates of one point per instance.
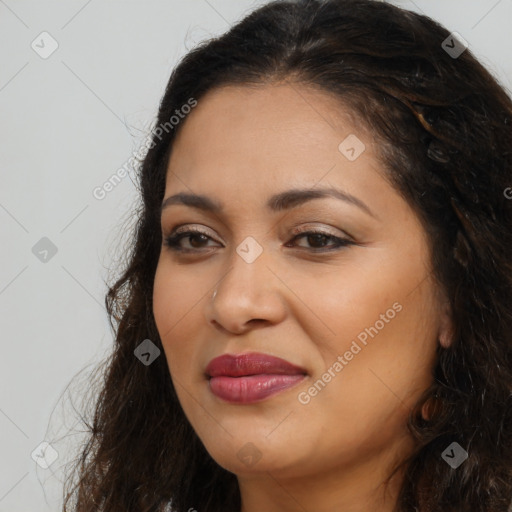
(251, 377)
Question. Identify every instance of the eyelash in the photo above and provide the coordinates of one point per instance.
(172, 241)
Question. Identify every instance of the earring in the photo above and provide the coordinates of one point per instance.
(432, 407)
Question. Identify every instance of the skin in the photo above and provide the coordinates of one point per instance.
(239, 146)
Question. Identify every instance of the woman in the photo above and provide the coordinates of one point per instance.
(317, 310)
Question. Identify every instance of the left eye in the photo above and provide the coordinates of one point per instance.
(317, 238)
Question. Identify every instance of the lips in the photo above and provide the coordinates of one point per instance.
(251, 377)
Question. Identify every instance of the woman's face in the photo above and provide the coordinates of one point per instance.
(353, 307)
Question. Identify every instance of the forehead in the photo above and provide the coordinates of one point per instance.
(285, 132)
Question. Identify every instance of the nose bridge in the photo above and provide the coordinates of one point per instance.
(248, 270)
(248, 290)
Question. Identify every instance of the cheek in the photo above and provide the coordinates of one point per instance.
(387, 351)
(353, 303)
(382, 321)
(176, 306)
(176, 296)
(365, 399)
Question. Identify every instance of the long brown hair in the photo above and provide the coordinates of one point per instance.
(444, 125)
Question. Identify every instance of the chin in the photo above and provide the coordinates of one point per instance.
(242, 456)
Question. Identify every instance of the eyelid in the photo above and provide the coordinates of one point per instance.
(184, 228)
(295, 230)
(173, 239)
(332, 231)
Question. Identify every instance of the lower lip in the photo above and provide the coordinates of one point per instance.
(253, 388)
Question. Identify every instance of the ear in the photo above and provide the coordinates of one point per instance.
(446, 330)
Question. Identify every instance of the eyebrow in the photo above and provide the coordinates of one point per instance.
(278, 202)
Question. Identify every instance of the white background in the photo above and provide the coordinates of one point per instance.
(67, 123)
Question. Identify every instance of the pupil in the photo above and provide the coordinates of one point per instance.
(316, 237)
(195, 237)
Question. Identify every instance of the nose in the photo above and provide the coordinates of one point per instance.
(248, 295)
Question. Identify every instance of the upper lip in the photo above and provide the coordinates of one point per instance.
(253, 363)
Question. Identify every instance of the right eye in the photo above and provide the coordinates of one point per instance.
(196, 240)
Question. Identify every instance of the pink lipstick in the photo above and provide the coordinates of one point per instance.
(251, 377)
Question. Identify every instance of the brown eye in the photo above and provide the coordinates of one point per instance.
(197, 240)
(317, 240)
